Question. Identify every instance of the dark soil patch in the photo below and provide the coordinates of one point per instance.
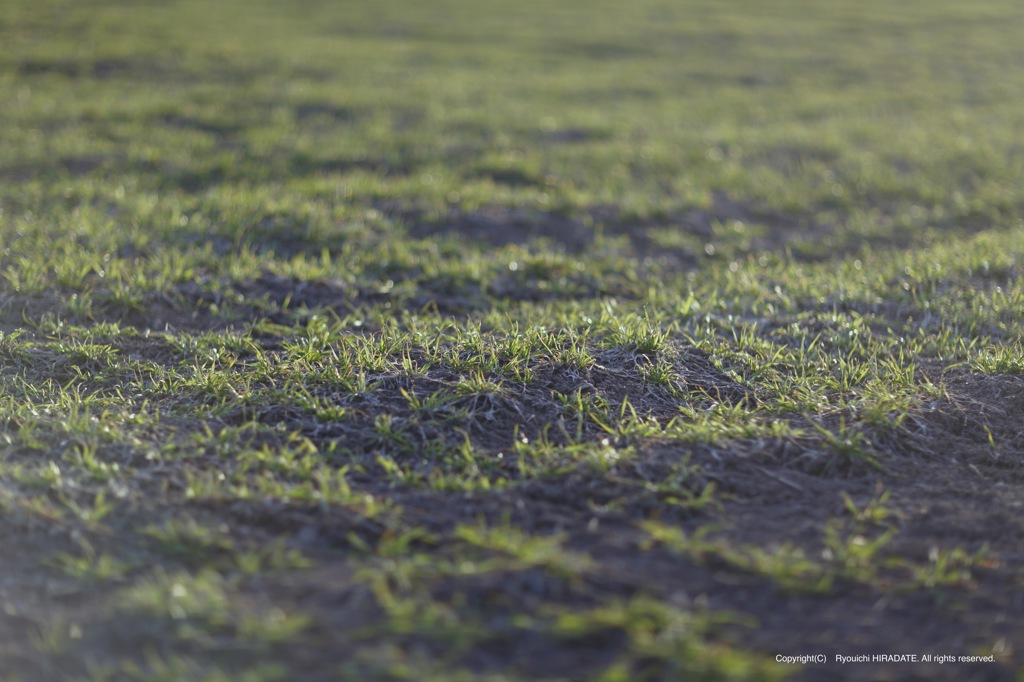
(851, 619)
(197, 124)
(499, 226)
(573, 136)
(324, 111)
(69, 166)
(494, 421)
(978, 422)
(576, 233)
(810, 236)
(73, 68)
(938, 503)
(949, 488)
(206, 304)
(203, 305)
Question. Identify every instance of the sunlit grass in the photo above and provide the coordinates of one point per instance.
(333, 337)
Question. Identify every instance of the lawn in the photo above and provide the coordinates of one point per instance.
(535, 341)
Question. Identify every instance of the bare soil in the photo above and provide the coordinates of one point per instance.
(954, 473)
(949, 488)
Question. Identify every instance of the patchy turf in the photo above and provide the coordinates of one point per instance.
(594, 341)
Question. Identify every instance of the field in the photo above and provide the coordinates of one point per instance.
(534, 341)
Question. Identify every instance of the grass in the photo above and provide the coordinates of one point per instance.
(463, 341)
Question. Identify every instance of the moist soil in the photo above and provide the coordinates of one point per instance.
(953, 472)
(949, 487)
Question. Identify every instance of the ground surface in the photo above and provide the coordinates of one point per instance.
(511, 341)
